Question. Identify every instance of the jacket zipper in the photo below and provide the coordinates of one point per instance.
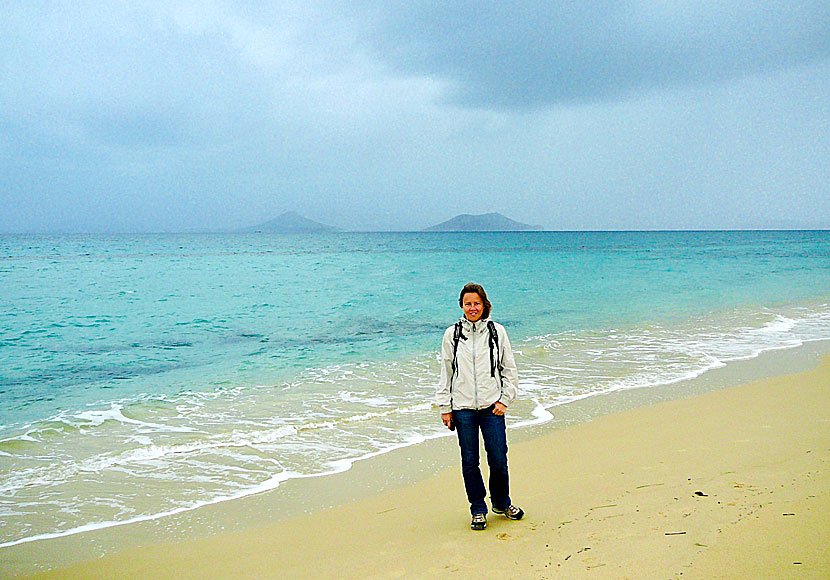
(475, 375)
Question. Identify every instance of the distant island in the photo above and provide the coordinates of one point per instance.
(488, 222)
(291, 223)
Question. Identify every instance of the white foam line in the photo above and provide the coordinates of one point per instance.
(794, 343)
(339, 466)
(780, 324)
(115, 413)
(267, 485)
(543, 415)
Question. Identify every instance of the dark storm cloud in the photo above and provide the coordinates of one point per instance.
(518, 55)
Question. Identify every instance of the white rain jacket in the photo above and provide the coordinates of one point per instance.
(472, 386)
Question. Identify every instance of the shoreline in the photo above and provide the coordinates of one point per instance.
(578, 410)
(396, 472)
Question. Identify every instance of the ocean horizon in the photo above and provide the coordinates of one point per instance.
(149, 374)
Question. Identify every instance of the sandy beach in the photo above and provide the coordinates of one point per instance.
(726, 484)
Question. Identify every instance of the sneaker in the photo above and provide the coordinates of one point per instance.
(511, 512)
(479, 522)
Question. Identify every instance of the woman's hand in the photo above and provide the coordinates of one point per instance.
(447, 419)
(499, 408)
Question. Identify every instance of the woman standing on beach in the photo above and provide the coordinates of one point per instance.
(478, 381)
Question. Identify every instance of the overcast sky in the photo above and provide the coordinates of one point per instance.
(161, 115)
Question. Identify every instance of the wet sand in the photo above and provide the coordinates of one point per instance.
(727, 484)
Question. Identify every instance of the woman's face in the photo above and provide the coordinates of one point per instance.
(472, 306)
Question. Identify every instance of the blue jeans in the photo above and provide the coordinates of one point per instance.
(468, 422)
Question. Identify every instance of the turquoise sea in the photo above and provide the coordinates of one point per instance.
(145, 375)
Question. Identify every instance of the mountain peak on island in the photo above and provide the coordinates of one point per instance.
(487, 222)
(291, 222)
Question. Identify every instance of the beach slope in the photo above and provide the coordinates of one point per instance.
(729, 484)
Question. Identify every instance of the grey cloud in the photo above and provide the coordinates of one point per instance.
(525, 55)
(122, 75)
(169, 114)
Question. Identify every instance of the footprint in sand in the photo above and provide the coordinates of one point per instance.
(504, 536)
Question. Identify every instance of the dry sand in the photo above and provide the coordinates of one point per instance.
(728, 484)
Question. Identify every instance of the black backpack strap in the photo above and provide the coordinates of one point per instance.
(457, 335)
(494, 347)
